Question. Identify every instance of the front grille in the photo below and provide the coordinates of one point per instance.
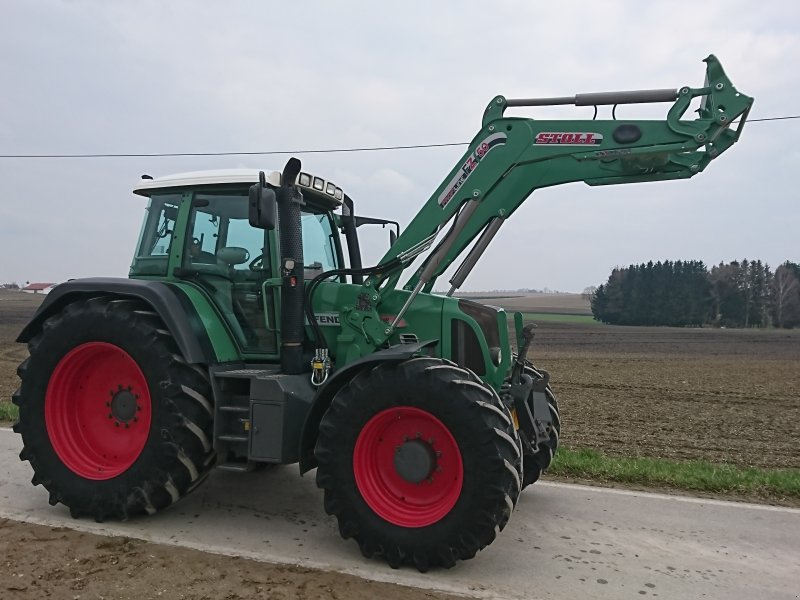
(466, 348)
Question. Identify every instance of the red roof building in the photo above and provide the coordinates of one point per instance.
(38, 288)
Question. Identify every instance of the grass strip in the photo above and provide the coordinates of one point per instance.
(695, 475)
(8, 411)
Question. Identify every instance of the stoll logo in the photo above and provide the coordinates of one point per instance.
(569, 138)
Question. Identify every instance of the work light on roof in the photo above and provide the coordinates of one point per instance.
(338, 193)
(319, 184)
(330, 189)
(304, 179)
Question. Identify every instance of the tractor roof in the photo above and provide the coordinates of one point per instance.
(319, 189)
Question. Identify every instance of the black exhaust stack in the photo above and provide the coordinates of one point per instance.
(290, 199)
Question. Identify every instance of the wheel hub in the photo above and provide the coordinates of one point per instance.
(98, 410)
(415, 461)
(123, 405)
(407, 466)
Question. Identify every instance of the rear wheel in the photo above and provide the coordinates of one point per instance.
(419, 462)
(114, 422)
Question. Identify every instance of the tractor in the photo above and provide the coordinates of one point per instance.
(249, 334)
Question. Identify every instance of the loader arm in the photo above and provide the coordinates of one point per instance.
(511, 157)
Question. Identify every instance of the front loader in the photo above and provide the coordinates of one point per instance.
(242, 339)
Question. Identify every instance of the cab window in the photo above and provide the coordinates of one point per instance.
(319, 241)
(155, 241)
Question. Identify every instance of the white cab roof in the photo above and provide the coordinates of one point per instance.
(198, 178)
(321, 189)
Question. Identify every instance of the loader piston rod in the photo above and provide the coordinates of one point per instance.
(601, 98)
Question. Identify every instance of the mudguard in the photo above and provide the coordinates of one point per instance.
(338, 379)
(171, 304)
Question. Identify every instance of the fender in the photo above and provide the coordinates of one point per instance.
(171, 304)
(326, 393)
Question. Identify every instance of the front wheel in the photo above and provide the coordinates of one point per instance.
(419, 462)
(114, 422)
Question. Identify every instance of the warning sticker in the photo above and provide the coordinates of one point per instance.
(494, 140)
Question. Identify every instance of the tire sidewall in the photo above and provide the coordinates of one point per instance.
(430, 395)
(68, 333)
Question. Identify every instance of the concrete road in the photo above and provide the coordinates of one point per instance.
(563, 542)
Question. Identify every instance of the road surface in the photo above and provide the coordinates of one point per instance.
(563, 541)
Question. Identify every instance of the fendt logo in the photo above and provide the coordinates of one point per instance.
(569, 138)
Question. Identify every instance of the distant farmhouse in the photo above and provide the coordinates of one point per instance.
(39, 288)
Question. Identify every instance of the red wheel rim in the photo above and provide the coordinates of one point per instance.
(392, 497)
(97, 410)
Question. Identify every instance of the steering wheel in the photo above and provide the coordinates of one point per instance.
(257, 264)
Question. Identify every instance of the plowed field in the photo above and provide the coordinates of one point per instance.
(717, 394)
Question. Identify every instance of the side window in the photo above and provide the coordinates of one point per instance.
(318, 241)
(205, 235)
(155, 241)
(220, 235)
(242, 235)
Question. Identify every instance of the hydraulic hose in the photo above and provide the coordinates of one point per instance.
(311, 287)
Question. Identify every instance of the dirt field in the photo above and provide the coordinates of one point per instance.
(58, 563)
(568, 304)
(16, 309)
(728, 396)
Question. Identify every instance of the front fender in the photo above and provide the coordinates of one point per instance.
(325, 394)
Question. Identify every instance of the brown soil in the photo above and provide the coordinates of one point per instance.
(727, 396)
(564, 304)
(16, 308)
(46, 562)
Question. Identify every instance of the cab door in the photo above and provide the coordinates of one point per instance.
(232, 261)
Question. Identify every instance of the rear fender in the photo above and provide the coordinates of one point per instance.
(326, 393)
(170, 302)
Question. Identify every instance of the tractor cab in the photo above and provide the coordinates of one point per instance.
(197, 229)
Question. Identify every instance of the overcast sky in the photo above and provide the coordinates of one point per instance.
(137, 77)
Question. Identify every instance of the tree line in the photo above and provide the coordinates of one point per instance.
(687, 293)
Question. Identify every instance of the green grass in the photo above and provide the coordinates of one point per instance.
(8, 411)
(692, 475)
(559, 318)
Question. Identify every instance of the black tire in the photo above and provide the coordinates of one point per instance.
(177, 451)
(536, 463)
(479, 424)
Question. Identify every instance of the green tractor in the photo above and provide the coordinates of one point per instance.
(241, 339)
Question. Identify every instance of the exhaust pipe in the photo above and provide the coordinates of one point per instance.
(290, 199)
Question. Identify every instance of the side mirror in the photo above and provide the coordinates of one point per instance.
(392, 237)
(263, 204)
